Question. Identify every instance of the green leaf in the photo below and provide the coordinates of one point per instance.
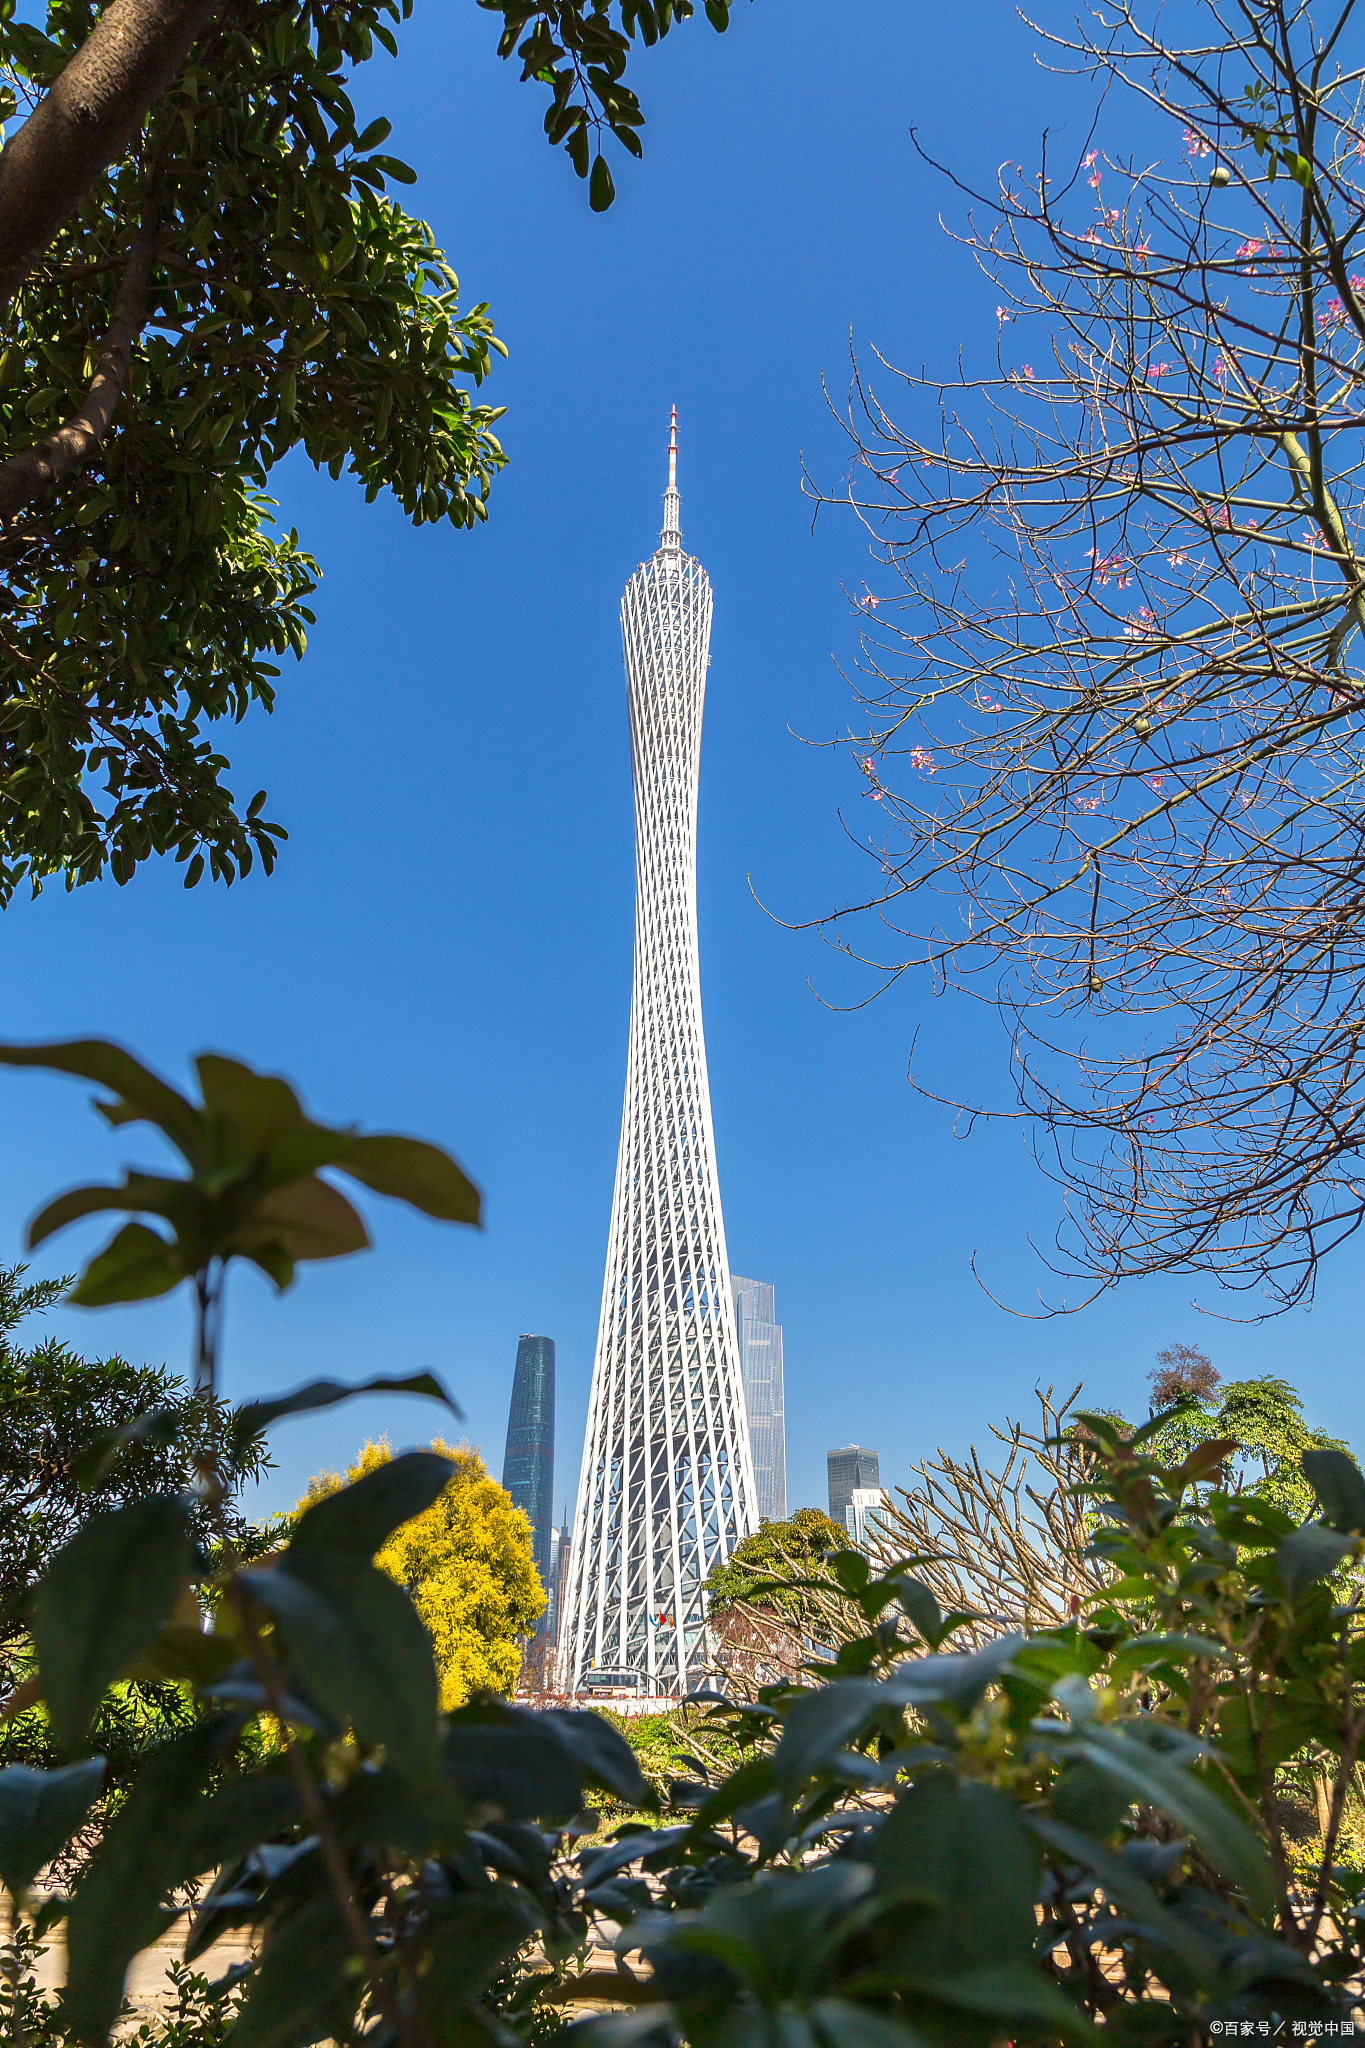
(358, 1647)
(1128, 1889)
(840, 2023)
(39, 1813)
(142, 1095)
(513, 1761)
(302, 1989)
(255, 1416)
(964, 1845)
(601, 190)
(136, 1265)
(117, 1908)
(606, 1758)
(361, 1517)
(401, 173)
(921, 1609)
(1337, 1481)
(411, 1171)
(1310, 1554)
(1147, 1775)
(472, 1938)
(102, 1600)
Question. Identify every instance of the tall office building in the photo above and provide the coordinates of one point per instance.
(667, 1484)
(528, 1464)
(760, 1365)
(850, 1470)
(866, 1519)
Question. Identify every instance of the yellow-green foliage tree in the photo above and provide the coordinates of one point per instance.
(467, 1564)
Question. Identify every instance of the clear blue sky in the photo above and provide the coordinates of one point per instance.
(446, 946)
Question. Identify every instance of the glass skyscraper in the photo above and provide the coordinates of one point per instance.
(850, 1470)
(528, 1465)
(760, 1365)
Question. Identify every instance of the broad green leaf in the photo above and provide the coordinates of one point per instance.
(154, 1193)
(146, 1851)
(1148, 1776)
(302, 1989)
(963, 1844)
(361, 1517)
(306, 1219)
(1311, 1553)
(136, 1265)
(606, 1758)
(601, 190)
(250, 1420)
(357, 1645)
(1339, 1484)
(1012, 1991)
(1128, 1889)
(840, 2023)
(412, 1171)
(473, 1938)
(512, 1761)
(101, 1601)
(39, 1813)
(143, 1097)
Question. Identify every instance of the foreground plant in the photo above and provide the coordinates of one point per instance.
(1038, 1840)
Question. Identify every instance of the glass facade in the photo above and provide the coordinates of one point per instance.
(850, 1469)
(528, 1465)
(760, 1364)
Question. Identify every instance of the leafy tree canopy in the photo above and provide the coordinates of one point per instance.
(1263, 1417)
(795, 1547)
(54, 1405)
(202, 270)
(467, 1563)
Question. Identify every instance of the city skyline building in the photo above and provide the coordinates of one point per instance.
(528, 1463)
(760, 1365)
(865, 1518)
(850, 1468)
(666, 1488)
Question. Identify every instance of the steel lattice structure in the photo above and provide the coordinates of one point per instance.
(667, 1485)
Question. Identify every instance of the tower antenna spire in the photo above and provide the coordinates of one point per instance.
(671, 537)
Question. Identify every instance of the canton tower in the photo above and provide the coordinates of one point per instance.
(667, 1485)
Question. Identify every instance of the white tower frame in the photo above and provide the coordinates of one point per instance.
(667, 1485)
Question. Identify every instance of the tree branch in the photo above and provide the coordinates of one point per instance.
(87, 119)
(66, 451)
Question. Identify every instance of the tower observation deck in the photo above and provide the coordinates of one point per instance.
(667, 1483)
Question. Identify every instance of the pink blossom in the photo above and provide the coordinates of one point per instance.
(1157, 783)
(1111, 218)
(1224, 893)
(1155, 370)
(1091, 159)
(1313, 538)
(921, 760)
(1252, 525)
(1360, 150)
(1252, 247)
(868, 602)
(1196, 145)
(868, 764)
(1142, 624)
(1142, 250)
(1177, 560)
(1094, 179)
(1028, 372)
(1001, 314)
(1332, 318)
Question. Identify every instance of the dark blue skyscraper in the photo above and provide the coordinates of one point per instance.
(528, 1465)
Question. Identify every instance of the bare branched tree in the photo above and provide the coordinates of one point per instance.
(1002, 1543)
(1113, 686)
